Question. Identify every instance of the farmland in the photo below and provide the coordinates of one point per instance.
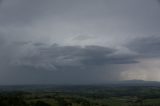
(88, 95)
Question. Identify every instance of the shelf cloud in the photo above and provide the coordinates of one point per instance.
(78, 41)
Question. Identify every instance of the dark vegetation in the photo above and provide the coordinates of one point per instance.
(81, 96)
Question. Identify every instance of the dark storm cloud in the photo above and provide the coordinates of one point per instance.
(38, 63)
(100, 28)
(57, 57)
(146, 46)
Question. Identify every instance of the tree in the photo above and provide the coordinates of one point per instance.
(41, 103)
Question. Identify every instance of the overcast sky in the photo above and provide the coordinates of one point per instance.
(79, 41)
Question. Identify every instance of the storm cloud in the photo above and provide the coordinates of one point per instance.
(78, 41)
(68, 61)
(57, 57)
(148, 46)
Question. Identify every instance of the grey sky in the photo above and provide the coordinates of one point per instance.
(79, 41)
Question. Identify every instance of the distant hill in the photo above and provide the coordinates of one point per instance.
(50, 87)
(136, 83)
